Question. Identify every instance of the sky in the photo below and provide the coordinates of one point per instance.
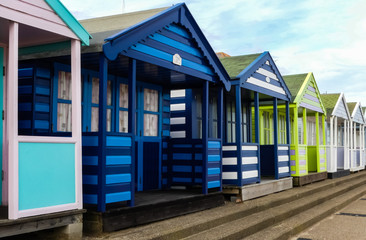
(326, 37)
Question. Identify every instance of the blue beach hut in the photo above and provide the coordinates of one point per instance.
(257, 133)
(131, 140)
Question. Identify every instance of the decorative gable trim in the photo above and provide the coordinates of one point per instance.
(263, 76)
(357, 115)
(341, 101)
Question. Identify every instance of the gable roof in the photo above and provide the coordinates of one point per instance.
(305, 91)
(177, 15)
(336, 105)
(69, 20)
(257, 72)
(355, 109)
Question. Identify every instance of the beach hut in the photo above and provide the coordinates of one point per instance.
(357, 136)
(138, 143)
(41, 175)
(308, 151)
(256, 145)
(337, 134)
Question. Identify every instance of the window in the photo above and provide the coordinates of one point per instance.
(300, 130)
(123, 108)
(198, 99)
(282, 129)
(266, 128)
(230, 120)
(151, 112)
(212, 116)
(64, 102)
(95, 105)
(244, 123)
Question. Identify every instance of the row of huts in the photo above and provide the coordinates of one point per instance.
(126, 111)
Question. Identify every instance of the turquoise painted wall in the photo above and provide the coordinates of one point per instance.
(1, 110)
(46, 174)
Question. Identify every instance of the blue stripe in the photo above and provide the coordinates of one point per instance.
(166, 109)
(90, 160)
(90, 198)
(166, 120)
(198, 180)
(178, 31)
(166, 133)
(214, 144)
(165, 145)
(182, 156)
(114, 160)
(117, 197)
(42, 91)
(113, 141)
(170, 42)
(24, 124)
(184, 180)
(198, 156)
(166, 96)
(25, 89)
(118, 178)
(165, 157)
(213, 171)
(214, 158)
(25, 107)
(90, 179)
(41, 124)
(198, 169)
(42, 107)
(90, 141)
(213, 184)
(165, 181)
(182, 169)
(165, 169)
(182, 145)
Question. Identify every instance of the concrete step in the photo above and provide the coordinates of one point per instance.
(296, 224)
(251, 224)
(185, 226)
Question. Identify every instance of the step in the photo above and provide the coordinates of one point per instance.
(296, 224)
(256, 222)
(187, 225)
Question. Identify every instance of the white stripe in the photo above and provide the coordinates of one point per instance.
(283, 148)
(283, 169)
(249, 148)
(177, 93)
(249, 160)
(283, 158)
(178, 134)
(229, 148)
(265, 85)
(178, 120)
(229, 161)
(250, 174)
(267, 73)
(178, 107)
(230, 175)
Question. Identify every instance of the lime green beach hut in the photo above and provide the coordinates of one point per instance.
(308, 150)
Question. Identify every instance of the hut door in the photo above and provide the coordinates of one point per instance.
(148, 139)
(1, 123)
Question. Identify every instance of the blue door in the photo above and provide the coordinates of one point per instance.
(1, 110)
(148, 137)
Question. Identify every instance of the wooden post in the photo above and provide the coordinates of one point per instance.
(220, 124)
(132, 121)
(12, 120)
(275, 137)
(331, 146)
(304, 126)
(317, 141)
(256, 120)
(205, 96)
(296, 140)
(238, 133)
(288, 135)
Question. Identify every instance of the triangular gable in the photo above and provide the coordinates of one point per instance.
(341, 108)
(309, 95)
(263, 76)
(69, 20)
(171, 39)
(357, 115)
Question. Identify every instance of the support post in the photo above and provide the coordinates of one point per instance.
(132, 122)
(76, 115)
(331, 145)
(275, 137)
(317, 141)
(256, 119)
(335, 151)
(12, 120)
(288, 135)
(304, 126)
(220, 124)
(238, 133)
(296, 140)
(103, 78)
(345, 144)
(205, 96)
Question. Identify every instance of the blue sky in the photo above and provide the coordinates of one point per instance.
(325, 37)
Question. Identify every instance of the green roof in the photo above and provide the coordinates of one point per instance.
(236, 64)
(330, 100)
(294, 83)
(351, 106)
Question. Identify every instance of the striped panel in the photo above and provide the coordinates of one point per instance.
(178, 107)
(229, 175)
(178, 134)
(229, 148)
(214, 159)
(116, 141)
(249, 148)
(229, 161)
(282, 148)
(266, 85)
(250, 174)
(249, 160)
(117, 197)
(178, 120)
(283, 169)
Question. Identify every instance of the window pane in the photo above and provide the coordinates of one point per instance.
(64, 117)
(123, 121)
(109, 93)
(95, 90)
(123, 95)
(109, 120)
(151, 100)
(64, 85)
(95, 119)
(150, 125)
